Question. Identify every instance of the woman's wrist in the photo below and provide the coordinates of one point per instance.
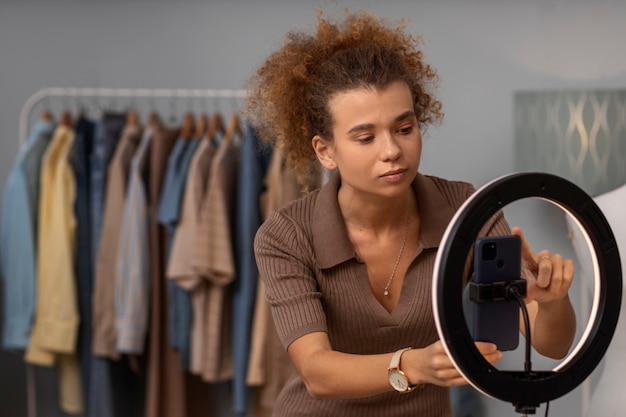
(409, 359)
(551, 305)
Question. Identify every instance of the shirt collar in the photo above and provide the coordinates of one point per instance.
(330, 238)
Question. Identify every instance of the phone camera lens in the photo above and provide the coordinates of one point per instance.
(489, 251)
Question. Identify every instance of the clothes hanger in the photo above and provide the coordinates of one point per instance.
(132, 115)
(46, 115)
(66, 119)
(203, 120)
(153, 115)
(188, 126)
(216, 124)
(154, 118)
(132, 118)
(66, 115)
(234, 127)
(201, 126)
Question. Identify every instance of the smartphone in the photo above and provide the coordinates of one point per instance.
(497, 259)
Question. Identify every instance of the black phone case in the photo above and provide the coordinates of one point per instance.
(497, 321)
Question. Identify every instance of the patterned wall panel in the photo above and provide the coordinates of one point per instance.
(579, 135)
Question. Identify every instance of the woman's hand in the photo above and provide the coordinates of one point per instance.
(432, 365)
(550, 275)
(552, 317)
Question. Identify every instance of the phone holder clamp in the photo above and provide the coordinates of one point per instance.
(496, 291)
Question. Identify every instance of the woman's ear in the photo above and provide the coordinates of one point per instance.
(323, 150)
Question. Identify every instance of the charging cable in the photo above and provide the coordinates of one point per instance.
(513, 292)
(507, 291)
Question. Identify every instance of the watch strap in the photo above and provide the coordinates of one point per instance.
(395, 359)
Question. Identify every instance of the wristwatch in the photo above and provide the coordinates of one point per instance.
(397, 378)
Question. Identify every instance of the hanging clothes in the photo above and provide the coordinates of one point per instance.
(132, 275)
(215, 261)
(269, 364)
(180, 268)
(255, 158)
(190, 218)
(18, 237)
(81, 158)
(108, 131)
(179, 308)
(113, 388)
(103, 300)
(55, 329)
(170, 391)
(165, 390)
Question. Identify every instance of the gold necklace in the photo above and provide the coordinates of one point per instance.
(395, 266)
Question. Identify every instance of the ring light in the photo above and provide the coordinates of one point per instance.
(520, 388)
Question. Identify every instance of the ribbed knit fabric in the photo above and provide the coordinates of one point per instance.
(315, 282)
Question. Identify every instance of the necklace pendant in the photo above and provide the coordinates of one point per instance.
(385, 292)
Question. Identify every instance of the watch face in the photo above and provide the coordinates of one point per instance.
(397, 380)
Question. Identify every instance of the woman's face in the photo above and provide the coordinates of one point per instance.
(377, 142)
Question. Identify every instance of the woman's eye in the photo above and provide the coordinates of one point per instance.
(405, 130)
(366, 139)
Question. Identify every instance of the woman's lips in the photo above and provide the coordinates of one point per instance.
(393, 176)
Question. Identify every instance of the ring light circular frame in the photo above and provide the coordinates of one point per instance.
(540, 386)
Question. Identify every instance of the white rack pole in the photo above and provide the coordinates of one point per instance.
(173, 93)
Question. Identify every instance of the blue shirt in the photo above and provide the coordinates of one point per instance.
(169, 204)
(18, 242)
(255, 159)
(170, 201)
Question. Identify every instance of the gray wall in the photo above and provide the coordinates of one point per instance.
(484, 50)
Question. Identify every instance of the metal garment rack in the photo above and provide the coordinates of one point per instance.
(129, 93)
(124, 93)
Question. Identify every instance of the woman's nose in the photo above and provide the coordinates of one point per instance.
(390, 148)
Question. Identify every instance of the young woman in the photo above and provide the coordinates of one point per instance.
(348, 267)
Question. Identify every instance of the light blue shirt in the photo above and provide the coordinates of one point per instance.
(18, 237)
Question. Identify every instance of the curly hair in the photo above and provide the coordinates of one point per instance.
(289, 94)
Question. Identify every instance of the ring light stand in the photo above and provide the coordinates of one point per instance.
(526, 390)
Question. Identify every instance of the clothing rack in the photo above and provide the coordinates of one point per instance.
(129, 93)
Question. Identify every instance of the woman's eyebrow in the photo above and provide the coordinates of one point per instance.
(367, 126)
(358, 128)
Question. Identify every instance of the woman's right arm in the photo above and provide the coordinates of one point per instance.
(330, 374)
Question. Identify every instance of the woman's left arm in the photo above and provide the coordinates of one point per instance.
(552, 317)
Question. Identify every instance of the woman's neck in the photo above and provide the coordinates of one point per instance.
(377, 215)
